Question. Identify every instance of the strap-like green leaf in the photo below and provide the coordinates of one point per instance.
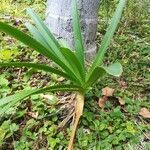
(108, 36)
(98, 72)
(79, 45)
(114, 69)
(37, 35)
(26, 39)
(46, 34)
(29, 41)
(38, 67)
(51, 41)
(75, 63)
(10, 101)
(69, 55)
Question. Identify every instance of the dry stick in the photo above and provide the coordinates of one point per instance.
(78, 112)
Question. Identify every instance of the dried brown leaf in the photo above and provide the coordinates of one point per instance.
(121, 101)
(33, 114)
(144, 112)
(61, 79)
(49, 97)
(107, 91)
(102, 101)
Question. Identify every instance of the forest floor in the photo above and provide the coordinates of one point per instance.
(38, 124)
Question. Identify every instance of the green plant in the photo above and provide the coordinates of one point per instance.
(70, 65)
(7, 129)
(6, 55)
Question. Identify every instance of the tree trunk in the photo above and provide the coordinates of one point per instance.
(58, 19)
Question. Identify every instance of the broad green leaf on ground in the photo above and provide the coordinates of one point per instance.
(114, 69)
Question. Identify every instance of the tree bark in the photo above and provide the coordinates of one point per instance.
(59, 20)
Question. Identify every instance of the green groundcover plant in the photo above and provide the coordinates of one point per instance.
(69, 64)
